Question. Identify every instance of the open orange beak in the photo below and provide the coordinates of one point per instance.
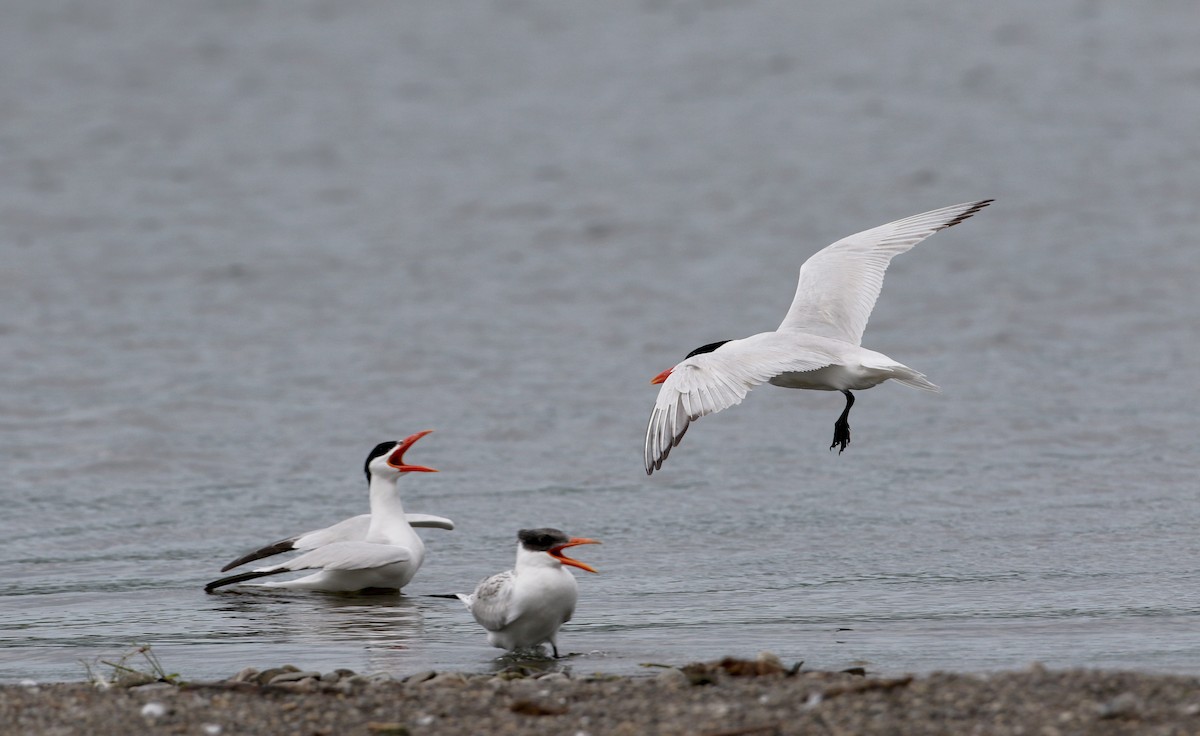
(556, 553)
(661, 377)
(396, 459)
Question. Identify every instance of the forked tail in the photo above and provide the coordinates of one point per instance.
(909, 377)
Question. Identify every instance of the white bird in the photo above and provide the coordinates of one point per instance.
(818, 345)
(375, 551)
(525, 606)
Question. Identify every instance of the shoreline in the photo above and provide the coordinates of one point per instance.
(726, 698)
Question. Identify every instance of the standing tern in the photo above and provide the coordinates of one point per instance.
(375, 551)
(525, 606)
(818, 345)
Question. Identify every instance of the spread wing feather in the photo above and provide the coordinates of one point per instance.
(840, 283)
(709, 382)
(353, 529)
(348, 556)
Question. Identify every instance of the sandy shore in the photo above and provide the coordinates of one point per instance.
(717, 699)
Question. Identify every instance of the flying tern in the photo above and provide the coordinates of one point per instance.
(818, 345)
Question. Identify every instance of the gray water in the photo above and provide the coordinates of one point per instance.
(243, 242)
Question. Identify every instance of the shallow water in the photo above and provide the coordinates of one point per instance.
(245, 242)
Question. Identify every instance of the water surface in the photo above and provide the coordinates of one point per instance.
(245, 242)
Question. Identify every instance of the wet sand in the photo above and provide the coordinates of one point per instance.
(728, 698)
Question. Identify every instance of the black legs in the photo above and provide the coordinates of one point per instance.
(841, 428)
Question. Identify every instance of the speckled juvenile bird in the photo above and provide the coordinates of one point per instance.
(525, 606)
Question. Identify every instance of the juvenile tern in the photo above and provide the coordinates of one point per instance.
(375, 551)
(818, 345)
(525, 606)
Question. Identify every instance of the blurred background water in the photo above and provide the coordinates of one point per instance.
(243, 242)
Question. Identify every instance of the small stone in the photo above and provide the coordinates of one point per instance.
(1125, 705)
(511, 675)
(306, 685)
(446, 678)
(537, 708)
(246, 675)
(133, 679)
(293, 676)
(211, 729)
(264, 677)
(699, 673)
(555, 677)
(673, 678)
(330, 677)
(153, 710)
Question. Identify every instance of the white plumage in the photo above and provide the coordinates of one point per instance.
(378, 550)
(525, 606)
(817, 346)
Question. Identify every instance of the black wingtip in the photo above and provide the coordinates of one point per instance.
(283, 545)
(240, 578)
(968, 212)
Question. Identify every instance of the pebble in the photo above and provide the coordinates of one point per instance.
(153, 710)
(673, 677)
(419, 677)
(283, 677)
(445, 678)
(1125, 705)
(246, 675)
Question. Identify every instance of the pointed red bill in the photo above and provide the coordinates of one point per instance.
(661, 376)
(396, 459)
(556, 553)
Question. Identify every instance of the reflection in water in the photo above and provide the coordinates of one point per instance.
(529, 662)
(383, 627)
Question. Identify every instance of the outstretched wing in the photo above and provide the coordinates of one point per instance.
(429, 521)
(839, 284)
(709, 382)
(354, 528)
(348, 556)
(492, 601)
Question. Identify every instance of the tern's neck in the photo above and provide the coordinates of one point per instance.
(385, 499)
(530, 560)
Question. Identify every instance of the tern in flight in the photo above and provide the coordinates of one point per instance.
(818, 345)
(525, 606)
(378, 551)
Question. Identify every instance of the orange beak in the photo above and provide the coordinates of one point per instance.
(661, 377)
(396, 459)
(556, 553)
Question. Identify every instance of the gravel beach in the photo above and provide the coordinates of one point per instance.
(726, 698)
